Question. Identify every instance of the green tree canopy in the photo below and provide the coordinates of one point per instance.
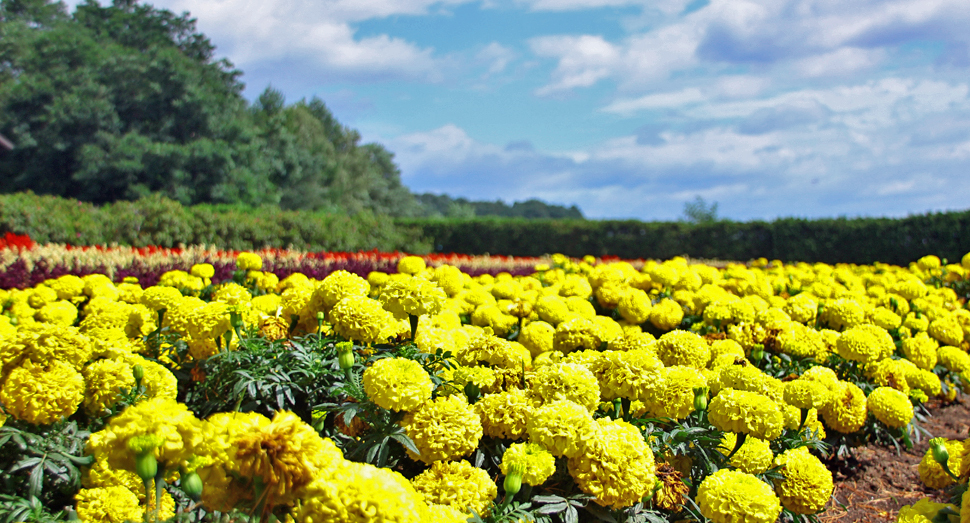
(117, 102)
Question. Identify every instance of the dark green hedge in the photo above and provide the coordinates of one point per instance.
(856, 240)
(166, 223)
(163, 222)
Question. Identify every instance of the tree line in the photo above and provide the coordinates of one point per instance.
(122, 101)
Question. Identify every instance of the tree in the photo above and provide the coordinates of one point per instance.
(118, 102)
(699, 211)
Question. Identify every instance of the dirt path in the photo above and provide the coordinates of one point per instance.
(872, 487)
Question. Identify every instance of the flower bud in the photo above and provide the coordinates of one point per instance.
(938, 447)
(139, 373)
(146, 466)
(192, 485)
(700, 398)
(513, 480)
(472, 392)
(345, 355)
(757, 352)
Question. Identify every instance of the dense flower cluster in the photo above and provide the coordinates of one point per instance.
(532, 374)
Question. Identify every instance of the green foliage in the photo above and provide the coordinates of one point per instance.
(156, 220)
(266, 377)
(119, 102)
(434, 205)
(41, 464)
(699, 211)
(842, 240)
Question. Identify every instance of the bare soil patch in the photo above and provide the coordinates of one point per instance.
(873, 485)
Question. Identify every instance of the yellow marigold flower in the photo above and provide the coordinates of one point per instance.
(538, 462)
(159, 382)
(954, 359)
(359, 318)
(491, 316)
(449, 278)
(843, 313)
(41, 295)
(232, 293)
(361, 493)
(932, 473)
(397, 384)
(42, 395)
(672, 396)
(802, 308)
(666, 315)
(483, 377)
(562, 427)
(807, 486)
(247, 261)
(726, 351)
(457, 484)
(885, 318)
(909, 288)
(101, 474)
(163, 418)
(892, 373)
(444, 429)
(44, 343)
(59, 313)
(413, 296)
(924, 510)
(285, 455)
(566, 381)
(67, 287)
(445, 514)
(552, 308)
(918, 323)
(485, 347)
(730, 496)
(921, 350)
(683, 348)
(617, 466)
(823, 375)
(103, 380)
(335, 287)
(112, 504)
(505, 414)
(946, 329)
(754, 456)
(846, 413)
(750, 378)
(635, 306)
(890, 406)
(576, 333)
(749, 412)
(157, 298)
(926, 381)
(537, 336)
(862, 345)
(411, 265)
(805, 394)
(800, 341)
(203, 270)
(633, 374)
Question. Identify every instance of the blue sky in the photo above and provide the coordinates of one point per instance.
(629, 108)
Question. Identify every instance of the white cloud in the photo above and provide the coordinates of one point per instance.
(316, 34)
(840, 62)
(583, 60)
(496, 56)
(680, 98)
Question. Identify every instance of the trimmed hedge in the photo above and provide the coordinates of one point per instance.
(839, 240)
(166, 223)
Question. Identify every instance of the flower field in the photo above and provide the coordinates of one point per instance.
(150, 384)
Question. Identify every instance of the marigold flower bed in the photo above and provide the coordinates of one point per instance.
(201, 385)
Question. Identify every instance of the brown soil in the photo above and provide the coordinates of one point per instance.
(873, 485)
